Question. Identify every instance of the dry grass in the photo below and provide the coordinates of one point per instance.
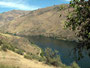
(9, 36)
(13, 59)
(20, 43)
(44, 22)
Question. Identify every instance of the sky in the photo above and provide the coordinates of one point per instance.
(28, 5)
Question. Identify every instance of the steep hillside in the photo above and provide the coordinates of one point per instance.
(15, 43)
(19, 53)
(16, 52)
(47, 22)
(11, 15)
(13, 59)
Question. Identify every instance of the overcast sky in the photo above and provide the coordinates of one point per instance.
(7, 5)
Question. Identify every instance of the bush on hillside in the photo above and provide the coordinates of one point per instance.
(28, 56)
(32, 56)
(75, 65)
(11, 47)
(52, 57)
(42, 53)
(19, 51)
(1, 42)
(4, 47)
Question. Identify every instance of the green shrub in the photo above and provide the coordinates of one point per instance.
(32, 43)
(42, 53)
(11, 47)
(19, 51)
(38, 58)
(41, 59)
(75, 65)
(14, 34)
(52, 58)
(27, 56)
(32, 56)
(1, 42)
(4, 47)
(62, 7)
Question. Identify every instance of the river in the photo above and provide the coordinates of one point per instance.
(64, 48)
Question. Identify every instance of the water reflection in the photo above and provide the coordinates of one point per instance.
(64, 48)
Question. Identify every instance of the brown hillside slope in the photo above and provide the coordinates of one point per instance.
(20, 43)
(13, 59)
(11, 15)
(44, 22)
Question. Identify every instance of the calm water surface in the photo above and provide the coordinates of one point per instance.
(64, 48)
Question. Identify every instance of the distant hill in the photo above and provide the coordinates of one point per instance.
(47, 22)
(11, 15)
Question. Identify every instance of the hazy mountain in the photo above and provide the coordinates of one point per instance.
(47, 22)
(11, 15)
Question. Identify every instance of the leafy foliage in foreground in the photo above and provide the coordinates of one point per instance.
(79, 20)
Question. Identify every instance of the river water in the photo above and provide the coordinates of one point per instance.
(64, 48)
